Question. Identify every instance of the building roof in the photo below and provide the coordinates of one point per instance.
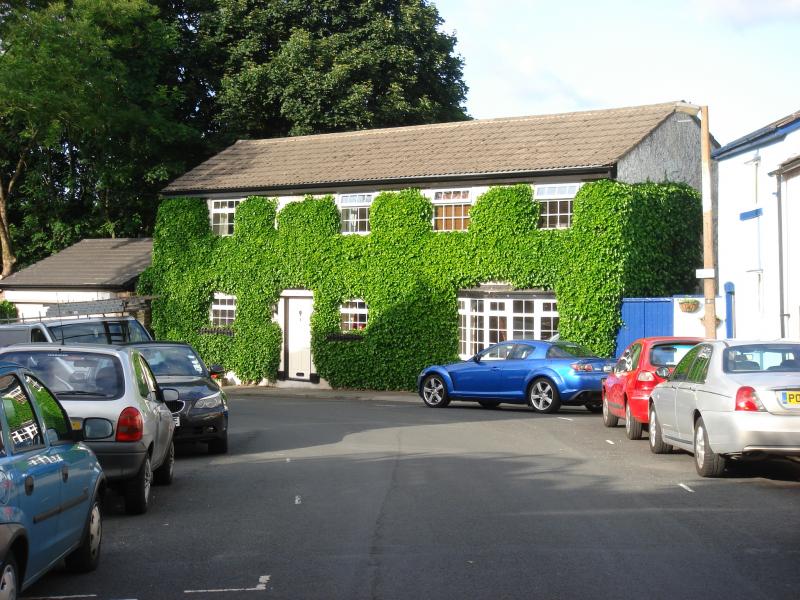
(769, 134)
(490, 147)
(112, 264)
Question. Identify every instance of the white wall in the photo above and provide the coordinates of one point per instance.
(31, 303)
(691, 324)
(748, 249)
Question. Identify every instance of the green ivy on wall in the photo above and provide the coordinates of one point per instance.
(634, 240)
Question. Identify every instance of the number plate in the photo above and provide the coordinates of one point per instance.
(177, 419)
(790, 398)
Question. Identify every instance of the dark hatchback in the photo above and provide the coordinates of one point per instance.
(201, 410)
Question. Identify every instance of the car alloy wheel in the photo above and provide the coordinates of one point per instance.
(707, 462)
(543, 396)
(8, 580)
(651, 433)
(434, 392)
(95, 531)
(699, 446)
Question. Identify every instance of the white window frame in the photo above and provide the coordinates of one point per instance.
(354, 315)
(558, 193)
(490, 319)
(357, 202)
(222, 303)
(443, 199)
(223, 208)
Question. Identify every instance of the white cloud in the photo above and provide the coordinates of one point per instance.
(748, 12)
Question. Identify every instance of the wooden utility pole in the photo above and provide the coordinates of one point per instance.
(708, 274)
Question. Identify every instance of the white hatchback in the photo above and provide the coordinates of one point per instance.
(114, 384)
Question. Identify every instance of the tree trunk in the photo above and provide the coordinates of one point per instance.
(8, 256)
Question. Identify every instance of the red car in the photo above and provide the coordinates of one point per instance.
(627, 389)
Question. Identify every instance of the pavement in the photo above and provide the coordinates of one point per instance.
(321, 394)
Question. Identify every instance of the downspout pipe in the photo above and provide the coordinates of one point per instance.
(781, 306)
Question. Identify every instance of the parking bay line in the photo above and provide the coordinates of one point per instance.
(686, 487)
(565, 418)
(74, 597)
(610, 442)
(262, 585)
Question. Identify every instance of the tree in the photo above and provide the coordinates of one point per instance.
(295, 67)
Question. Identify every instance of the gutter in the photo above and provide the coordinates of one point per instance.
(757, 139)
(607, 170)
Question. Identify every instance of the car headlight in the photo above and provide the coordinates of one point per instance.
(212, 401)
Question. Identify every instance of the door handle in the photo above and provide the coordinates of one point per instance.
(28, 485)
(64, 473)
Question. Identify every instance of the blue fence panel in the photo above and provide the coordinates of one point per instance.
(644, 317)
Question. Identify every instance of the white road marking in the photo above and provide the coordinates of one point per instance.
(288, 460)
(59, 597)
(298, 500)
(262, 585)
(565, 419)
(686, 487)
(609, 442)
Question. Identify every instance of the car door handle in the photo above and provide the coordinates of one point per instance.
(64, 473)
(28, 485)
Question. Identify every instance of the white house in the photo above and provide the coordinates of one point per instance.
(759, 215)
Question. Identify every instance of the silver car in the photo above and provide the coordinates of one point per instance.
(728, 399)
(114, 384)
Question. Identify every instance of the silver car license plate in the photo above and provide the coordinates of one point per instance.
(790, 398)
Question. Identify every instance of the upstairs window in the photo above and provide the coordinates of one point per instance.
(555, 204)
(354, 315)
(355, 212)
(223, 310)
(451, 210)
(222, 216)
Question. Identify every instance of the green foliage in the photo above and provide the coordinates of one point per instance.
(8, 310)
(625, 239)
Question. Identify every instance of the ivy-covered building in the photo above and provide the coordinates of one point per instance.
(358, 258)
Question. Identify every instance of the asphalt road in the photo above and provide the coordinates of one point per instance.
(384, 498)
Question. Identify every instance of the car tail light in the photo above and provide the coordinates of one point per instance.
(747, 400)
(130, 426)
(582, 367)
(645, 376)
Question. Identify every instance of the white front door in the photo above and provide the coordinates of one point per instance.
(294, 316)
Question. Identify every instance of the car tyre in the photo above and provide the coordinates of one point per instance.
(137, 490)
(86, 557)
(218, 446)
(9, 578)
(657, 444)
(707, 462)
(609, 419)
(163, 475)
(543, 396)
(633, 428)
(489, 403)
(434, 392)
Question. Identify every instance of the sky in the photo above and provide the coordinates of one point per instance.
(741, 58)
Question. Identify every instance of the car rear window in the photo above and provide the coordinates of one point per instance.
(84, 375)
(99, 332)
(669, 355)
(566, 350)
(16, 335)
(762, 357)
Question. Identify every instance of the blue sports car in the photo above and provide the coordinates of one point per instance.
(544, 375)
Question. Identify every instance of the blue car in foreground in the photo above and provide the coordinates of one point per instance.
(544, 375)
(51, 485)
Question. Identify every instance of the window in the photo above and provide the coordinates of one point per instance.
(23, 426)
(56, 423)
(490, 320)
(222, 216)
(451, 210)
(568, 350)
(37, 335)
(355, 212)
(682, 370)
(223, 310)
(499, 352)
(555, 204)
(699, 370)
(354, 315)
(668, 355)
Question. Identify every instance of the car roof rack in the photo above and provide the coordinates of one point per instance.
(111, 307)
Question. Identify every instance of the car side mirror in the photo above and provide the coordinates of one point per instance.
(663, 372)
(169, 394)
(94, 429)
(216, 370)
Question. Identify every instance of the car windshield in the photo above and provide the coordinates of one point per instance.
(82, 374)
(669, 355)
(568, 350)
(173, 361)
(762, 357)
